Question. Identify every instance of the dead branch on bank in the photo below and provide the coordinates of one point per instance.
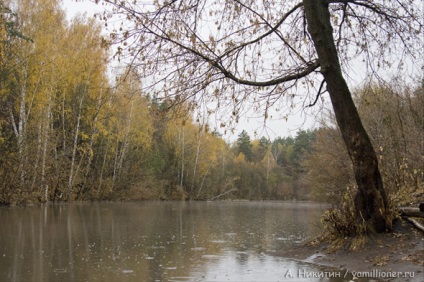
(411, 212)
(407, 213)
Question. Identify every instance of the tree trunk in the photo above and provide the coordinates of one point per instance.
(126, 140)
(45, 138)
(196, 160)
(105, 154)
(371, 199)
(75, 147)
(182, 157)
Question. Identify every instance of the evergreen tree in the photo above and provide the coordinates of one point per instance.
(244, 145)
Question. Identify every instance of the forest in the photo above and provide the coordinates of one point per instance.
(72, 131)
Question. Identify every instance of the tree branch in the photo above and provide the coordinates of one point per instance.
(272, 30)
(318, 94)
(311, 67)
(416, 224)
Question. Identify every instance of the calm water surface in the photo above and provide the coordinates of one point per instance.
(154, 241)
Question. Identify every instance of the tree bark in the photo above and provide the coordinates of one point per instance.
(371, 199)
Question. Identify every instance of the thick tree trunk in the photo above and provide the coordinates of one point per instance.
(371, 199)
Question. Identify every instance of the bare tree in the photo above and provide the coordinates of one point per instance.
(226, 54)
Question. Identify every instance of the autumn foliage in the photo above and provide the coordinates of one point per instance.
(71, 131)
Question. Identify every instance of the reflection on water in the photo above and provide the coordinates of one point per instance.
(153, 241)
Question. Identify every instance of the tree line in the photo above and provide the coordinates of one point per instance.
(67, 134)
(262, 53)
(70, 132)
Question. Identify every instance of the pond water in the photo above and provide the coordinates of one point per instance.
(155, 241)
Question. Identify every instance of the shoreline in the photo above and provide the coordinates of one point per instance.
(394, 256)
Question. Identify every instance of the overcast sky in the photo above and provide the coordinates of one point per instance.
(251, 122)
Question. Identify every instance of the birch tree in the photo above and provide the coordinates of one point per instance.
(263, 52)
(82, 98)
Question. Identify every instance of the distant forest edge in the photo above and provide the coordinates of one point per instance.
(67, 135)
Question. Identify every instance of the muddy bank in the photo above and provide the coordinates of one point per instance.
(395, 256)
